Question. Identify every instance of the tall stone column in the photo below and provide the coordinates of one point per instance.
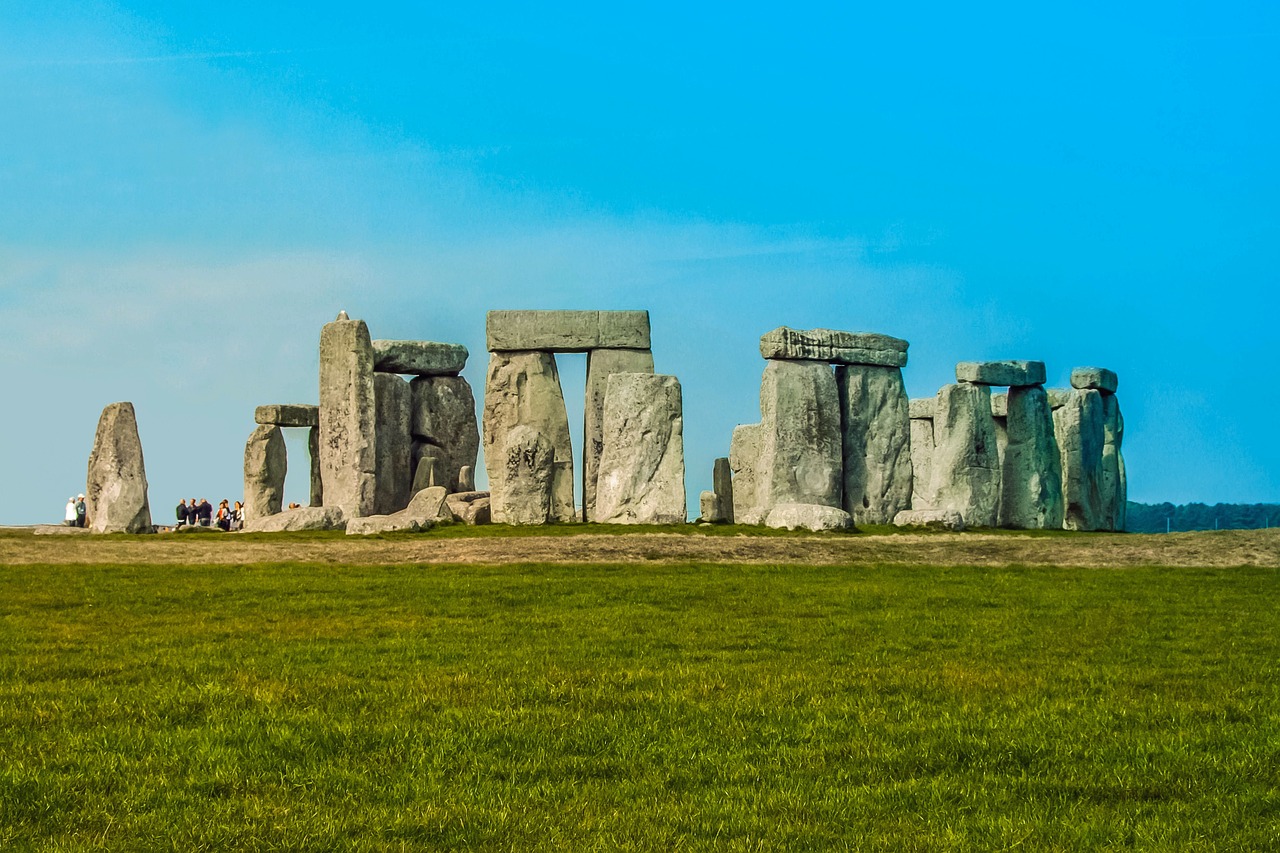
(116, 485)
(601, 364)
(266, 463)
(922, 494)
(744, 459)
(966, 465)
(444, 421)
(393, 472)
(1031, 489)
(800, 443)
(1112, 486)
(1078, 425)
(642, 460)
(876, 439)
(348, 446)
(317, 482)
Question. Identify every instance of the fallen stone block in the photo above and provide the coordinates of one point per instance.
(478, 512)
(815, 517)
(942, 519)
(1096, 379)
(425, 510)
(419, 358)
(834, 347)
(288, 415)
(1012, 373)
(303, 518)
(58, 530)
(567, 331)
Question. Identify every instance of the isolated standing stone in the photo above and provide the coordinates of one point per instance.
(1031, 484)
(348, 447)
(1078, 426)
(520, 477)
(266, 462)
(317, 482)
(394, 462)
(966, 464)
(642, 464)
(601, 364)
(922, 493)
(444, 415)
(116, 485)
(722, 485)
(800, 444)
(744, 456)
(523, 389)
(419, 358)
(876, 441)
(1114, 488)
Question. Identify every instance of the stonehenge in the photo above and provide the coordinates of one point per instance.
(116, 484)
(642, 456)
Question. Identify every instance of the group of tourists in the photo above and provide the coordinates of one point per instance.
(201, 514)
(75, 515)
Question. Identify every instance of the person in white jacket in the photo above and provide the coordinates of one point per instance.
(70, 518)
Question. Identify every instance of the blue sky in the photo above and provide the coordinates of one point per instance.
(186, 195)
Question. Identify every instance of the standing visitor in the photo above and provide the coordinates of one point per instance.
(224, 515)
(182, 512)
(237, 517)
(69, 518)
(205, 513)
(191, 513)
(81, 511)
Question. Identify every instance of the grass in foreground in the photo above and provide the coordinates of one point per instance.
(300, 707)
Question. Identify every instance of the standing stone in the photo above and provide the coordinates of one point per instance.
(394, 463)
(1113, 486)
(523, 389)
(520, 477)
(116, 485)
(922, 493)
(266, 461)
(642, 463)
(722, 485)
(424, 471)
(601, 364)
(710, 508)
(348, 447)
(1031, 483)
(876, 441)
(466, 479)
(444, 415)
(966, 464)
(1000, 419)
(1078, 426)
(744, 457)
(317, 482)
(800, 445)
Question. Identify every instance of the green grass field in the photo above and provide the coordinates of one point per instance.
(306, 707)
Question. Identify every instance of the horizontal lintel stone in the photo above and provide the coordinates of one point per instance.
(1012, 373)
(419, 358)
(288, 415)
(921, 408)
(566, 331)
(1095, 378)
(866, 348)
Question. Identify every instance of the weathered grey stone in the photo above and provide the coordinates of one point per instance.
(313, 451)
(815, 517)
(744, 456)
(457, 503)
(419, 358)
(304, 518)
(394, 457)
(1012, 373)
(567, 331)
(601, 364)
(444, 415)
(722, 485)
(348, 446)
(876, 441)
(921, 407)
(116, 485)
(520, 477)
(642, 464)
(1078, 428)
(800, 445)
(832, 346)
(425, 510)
(424, 472)
(59, 530)
(1095, 378)
(266, 462)
(942, 519)
(1058, 397)
(478, 512)
(966, 463)
(923, 495)
(1113, 484)
(466, 478)
(288, 415)
(1031, 480)
(523, 389)
(1000, 405)
(710, 508)
(1002, 437)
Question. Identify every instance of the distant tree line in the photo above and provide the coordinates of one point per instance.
(1156, 518)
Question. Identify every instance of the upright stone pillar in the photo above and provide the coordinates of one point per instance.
(966, 465)
(876, 437)
(1078, 425)
(744, 459)
(444, 419)
(521, 472)
(523, 389)
(1113, 486)
(317, 482)
(642, 460)
(922, 494)
(1031, 490)
(348, 446)
(394, 464)
(266, 463)
(116, 485)
(800, 443)
(601, 364)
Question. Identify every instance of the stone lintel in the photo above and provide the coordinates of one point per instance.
(1095, 378)
(419, 358)
(921, 408)
(865, 348)
(288, 415)
(1011, 373)
(566, 331)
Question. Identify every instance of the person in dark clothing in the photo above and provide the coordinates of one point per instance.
(192, 512)
(205, 513)
(182, 512)
(82, 511)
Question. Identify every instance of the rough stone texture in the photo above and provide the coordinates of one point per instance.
(941, 519)
(313, 451)
(1114, 487)
(424, 472)
(1012, 373)
(467, 478)
(458, 502)
(815, 517)
(266, 462)
(1000, 405)
(567, 331)
(523, 389)
(1058, 397)
(1096, 379)
(722, 485)
(836, 347)
(744, 456)
(520, 477)
(1002, 438)
(478, 512)
(710, 508)
(966, 463)
(348, 447)
(393, 467)
(304, 518)
(1078, 427)
(922, 494)
(424, 511)
(59, 530)
(800, 445)
(921, 407)
(876, 441)
(444, 414)
(642, 464)
(1031, 480)
(601, 364)
(288, 415)
(419, 358)
(116, 485)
